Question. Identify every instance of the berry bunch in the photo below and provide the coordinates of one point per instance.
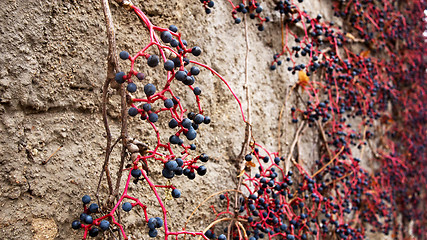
(174, 55)
(87, 220)
(341, 198)
(252, 8)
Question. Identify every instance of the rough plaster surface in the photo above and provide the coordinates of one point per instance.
(52, 68)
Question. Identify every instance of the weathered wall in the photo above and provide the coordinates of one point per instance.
(52, 68)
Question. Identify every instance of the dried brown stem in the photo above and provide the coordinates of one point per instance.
(47, 160)
(123, 135)
(247, 91)
(322, 168)
(291, 150)
(325, 141)
(112, 67)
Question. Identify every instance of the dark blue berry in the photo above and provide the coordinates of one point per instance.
(136, 173)
(124, 55)
(222, 237)
(207, 120)
(192, 147)
(191, 134)
(168, 103)
(131, 87)
(197, 91)
(177, 61)
(173, 28)
(186, 123)
(191, 175)
(196, 51)
(191, 115)
(153, 60)
(127, 206)
(186, 171)
(180, 75)
(194, 71)
(76, 224)
(171, 165)
(159, 222)
(93, 208)
(104, 225)
(88, 219)
(169, 65)
(149, 89)
(204, 157)
(237, 20)
(178, 171)
(153, 117)
(152, 223)
(248, 157)
(152, 233)
(83, 216)
(202, 170)
(146, 107)
(168, 174)
(179, 162)
(176, 193)
(86, 199)
(119, 77)
(189, 80)
(174, 139)
(133, 112)
(166, 36)
(211, 4)
(93, 232)
(198, 118)
(174, 43)
(173, 123)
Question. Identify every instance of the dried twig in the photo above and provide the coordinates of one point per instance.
(47, 160)
(330, 161)
(247, 91)
(325, 141)
(112, 67)
(291, 150)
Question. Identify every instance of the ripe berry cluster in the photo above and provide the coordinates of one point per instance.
(341, 198)
(174, 54)
(252, 8)
(87, 220)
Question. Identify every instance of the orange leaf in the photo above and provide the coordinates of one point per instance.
(365, 53)
(303, 79)
(250, 164)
